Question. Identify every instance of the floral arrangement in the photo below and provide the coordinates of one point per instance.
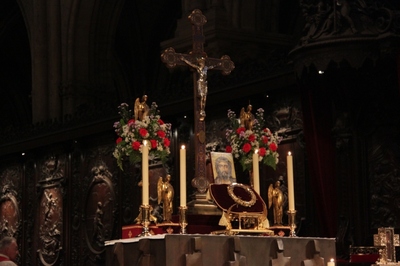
(131, 134)
(243, 142)
(213, 146)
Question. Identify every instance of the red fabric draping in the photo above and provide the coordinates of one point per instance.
(321, 156)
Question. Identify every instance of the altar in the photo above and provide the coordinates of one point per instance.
(245, 237)
(198, 249)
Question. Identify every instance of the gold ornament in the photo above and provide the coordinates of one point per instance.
(237, 199)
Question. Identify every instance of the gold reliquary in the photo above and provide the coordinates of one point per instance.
(244, 211)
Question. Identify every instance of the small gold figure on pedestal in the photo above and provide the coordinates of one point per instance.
(165, 193)
(141, 109)
(275, 199)
(247, 118)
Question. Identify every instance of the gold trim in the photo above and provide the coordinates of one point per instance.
(237, 199)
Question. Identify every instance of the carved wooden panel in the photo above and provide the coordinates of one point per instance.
(9, 207)
(383, 158)
(50, 210)
(99, 206)
(10, 203)
(74, 200)
(29, 203)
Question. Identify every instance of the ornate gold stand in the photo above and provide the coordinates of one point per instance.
(182, 219)
(145, 220)
(292, 222)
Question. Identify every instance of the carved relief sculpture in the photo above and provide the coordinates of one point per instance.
(51, 211)
(330, 18)
(99, 210)
(9, 210)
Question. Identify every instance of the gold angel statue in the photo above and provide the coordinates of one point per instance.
(141, 109)
(165, 193)
(247, 118)
(276, 199)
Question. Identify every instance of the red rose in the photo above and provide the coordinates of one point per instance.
(264, 139)
(267, 130)
(273, 146)
(262, 151)
(153, 143)
(252, 138)
(161, 134)
(143, 132)
(228, 149)
(167, 142)
(246, 147)
(136, 145)
(131, 122)
(118, 140)
(240, 130)
(160, 122)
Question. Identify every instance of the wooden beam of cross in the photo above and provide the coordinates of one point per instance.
(198, 61)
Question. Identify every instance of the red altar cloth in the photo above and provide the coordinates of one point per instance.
(197, 224)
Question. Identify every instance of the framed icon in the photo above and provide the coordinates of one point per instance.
(223, 168)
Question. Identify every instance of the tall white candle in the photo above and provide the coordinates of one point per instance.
(183, 175)
(331, 263)
(256, 172)
(290, 181)
(145, 173)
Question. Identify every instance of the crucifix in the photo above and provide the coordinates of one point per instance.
(389, 240)
(198, 61)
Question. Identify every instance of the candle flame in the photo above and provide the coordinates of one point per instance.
(256, 151)
(289, 153)
(183, 147)
(332, 260)
(145, 142)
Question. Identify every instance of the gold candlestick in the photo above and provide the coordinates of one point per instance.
(292, 222)
(182, 219)
(145, 211)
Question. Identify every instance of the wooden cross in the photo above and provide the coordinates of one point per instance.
(197, 59)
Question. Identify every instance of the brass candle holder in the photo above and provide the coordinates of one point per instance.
(182, 219)
(292, 222)
(145, 213)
